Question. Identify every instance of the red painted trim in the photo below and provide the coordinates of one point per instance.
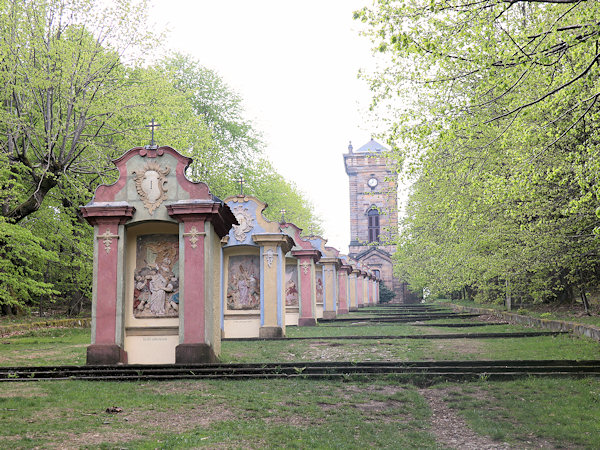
(107, 193)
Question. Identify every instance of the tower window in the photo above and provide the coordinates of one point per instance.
(373, 216)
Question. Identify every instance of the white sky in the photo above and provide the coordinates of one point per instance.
(295, 64)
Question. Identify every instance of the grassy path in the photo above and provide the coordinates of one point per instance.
(382, 413)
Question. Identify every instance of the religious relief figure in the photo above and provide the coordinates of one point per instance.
(245, 220)
(243, 284)
(156, 276)
(319, 286)
(291, 285)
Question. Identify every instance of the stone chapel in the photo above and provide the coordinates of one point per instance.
(374, 213)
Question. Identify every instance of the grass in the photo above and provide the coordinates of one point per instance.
(302, 413)
(575, 313)
(553, 412)
(47, 346)
(184, 414)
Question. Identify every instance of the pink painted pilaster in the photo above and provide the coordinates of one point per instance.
(344, 307)
(194, 322)
(306, 275)
(107, 219)
(193, 214)
(359, 290)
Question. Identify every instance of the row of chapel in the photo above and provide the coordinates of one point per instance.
(176, 269)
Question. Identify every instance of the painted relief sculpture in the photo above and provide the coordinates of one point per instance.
(245, 221)
(253, 278)
(156, 292)
(291, 285)
(243, 287)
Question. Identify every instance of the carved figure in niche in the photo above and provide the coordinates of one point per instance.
(291, 285)
(243, 287)
(319, 286)
(245, 220)
(156, 276)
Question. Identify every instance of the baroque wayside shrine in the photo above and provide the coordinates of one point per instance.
(176, 269)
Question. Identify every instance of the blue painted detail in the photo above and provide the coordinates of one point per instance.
(262, 288)
(335, 289)
(222, 292)
(256, 228)
(324, 282)
(280, 265)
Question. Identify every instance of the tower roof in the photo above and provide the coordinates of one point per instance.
(372, 146)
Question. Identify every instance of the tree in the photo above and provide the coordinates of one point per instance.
(498, 131)
(236, 149)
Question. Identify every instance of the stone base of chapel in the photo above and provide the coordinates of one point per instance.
(307, 322)
(342, 311)
(329, 315)
(194, 354)
(353, 308)
(105, 354)
(270, 332)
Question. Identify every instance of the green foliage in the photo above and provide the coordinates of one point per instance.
(386, 295)
(498, 133)
(22, 261)
(236, 148)
(77, 94)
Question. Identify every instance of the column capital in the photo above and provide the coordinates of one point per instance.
(114, 213)
(307, 253)
(217, 213)
(281, 240)
(330, 261)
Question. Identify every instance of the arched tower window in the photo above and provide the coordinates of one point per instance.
(373, 216)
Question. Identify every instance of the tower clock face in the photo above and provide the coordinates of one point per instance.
(372, 182)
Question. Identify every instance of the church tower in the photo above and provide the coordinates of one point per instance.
(374, 212)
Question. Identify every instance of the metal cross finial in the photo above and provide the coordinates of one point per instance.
(241, 181)
(283, 211)
(152, 125)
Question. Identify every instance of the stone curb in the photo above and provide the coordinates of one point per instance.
(555, 325)
(84, 322)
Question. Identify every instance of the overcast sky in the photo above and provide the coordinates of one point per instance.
(295, 64)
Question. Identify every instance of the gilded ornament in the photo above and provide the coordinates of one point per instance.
(107, 238)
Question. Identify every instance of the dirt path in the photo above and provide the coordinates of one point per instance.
(450, 429)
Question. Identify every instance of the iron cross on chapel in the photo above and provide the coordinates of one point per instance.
(241, 182)
(152, 125)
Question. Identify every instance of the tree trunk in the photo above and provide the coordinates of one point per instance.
(584, 299)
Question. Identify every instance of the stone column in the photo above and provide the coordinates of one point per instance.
(273, 248)
(107, 290)
(306, 278)
(343, 289)
(194, 341)
(365, 287)
(330, 286)
(353, 285)
(370, 289)
(360, 291)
